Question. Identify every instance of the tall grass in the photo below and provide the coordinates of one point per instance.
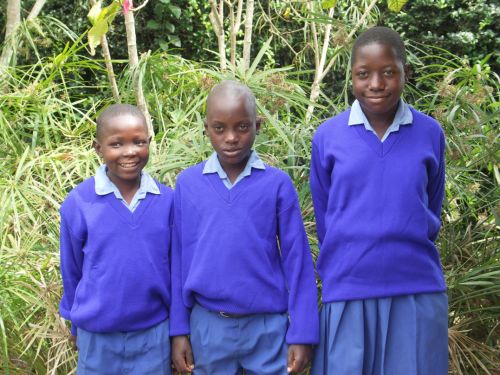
(47, 117)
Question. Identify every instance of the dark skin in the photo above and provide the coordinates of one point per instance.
(231, 126)
(123, 144)
(378, 79)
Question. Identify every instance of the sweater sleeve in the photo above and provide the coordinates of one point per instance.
(72, 240)
(436, 186)
(179, 313)
(299, 271)
(320, 186)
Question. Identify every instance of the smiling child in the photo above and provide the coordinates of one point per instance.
(115, 243)
(377, 183)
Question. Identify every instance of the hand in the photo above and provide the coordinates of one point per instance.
(298, 357)
(72, 340)
(182, 355)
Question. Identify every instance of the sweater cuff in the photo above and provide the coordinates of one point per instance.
(73, 329)
(179, 321)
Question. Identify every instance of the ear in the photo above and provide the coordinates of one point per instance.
(258, 122)
(408, 72)
(205, 125)
(97, 147)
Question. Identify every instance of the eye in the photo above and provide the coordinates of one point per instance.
(388, 73)
(218, 128)
(141, 142)
(115, 144)
(244, 127)
(362, 74)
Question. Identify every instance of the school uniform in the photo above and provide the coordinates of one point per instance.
(377, 205)
(115, 270)
(241, 262)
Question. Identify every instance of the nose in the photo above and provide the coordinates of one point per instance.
(130, 150)
(376, 82)
(231, 137)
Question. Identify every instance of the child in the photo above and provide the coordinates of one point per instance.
(115, 244)
(240, 256)
(377, 183)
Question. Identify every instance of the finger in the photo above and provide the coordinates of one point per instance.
(291, 360)
(189, 360)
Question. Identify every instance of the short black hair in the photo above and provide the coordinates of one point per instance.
(234, 89)
(381, 35)
(116, 110)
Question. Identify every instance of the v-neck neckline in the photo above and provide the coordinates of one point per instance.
(374, 142)
(231, 195)
(130, 218)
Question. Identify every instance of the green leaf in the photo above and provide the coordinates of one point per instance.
(100, 18)
(153, 25)
(396, 5)
(166, 2)
(176, 11)
(94, 12)
(175, 40)
(170, 27)
(95, 33)
(327, 4)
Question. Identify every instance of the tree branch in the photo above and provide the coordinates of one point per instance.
(35, 11)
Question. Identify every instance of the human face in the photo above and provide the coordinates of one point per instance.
(231, 127)
(378, 79)
(124, 146)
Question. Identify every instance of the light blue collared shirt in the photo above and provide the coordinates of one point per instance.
(104, 186)
(403, 117)
(213, 166)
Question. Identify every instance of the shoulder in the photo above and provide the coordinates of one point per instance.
(277, 174)
(426, 123)
(190, 174)
(164, 189)
(281, 181)
(81, 193)
(332, 125)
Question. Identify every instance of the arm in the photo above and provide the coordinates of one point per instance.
(298, 269)
(72, 241)
(435, 187)
(320, 181)
(179, 313)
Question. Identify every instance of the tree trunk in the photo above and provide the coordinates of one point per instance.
(247, 40)
(35, 11)
(12, 23)
(133, 59)
(217, 20)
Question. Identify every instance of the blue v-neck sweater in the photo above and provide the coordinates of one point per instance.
(114, 262)
(242, 251)
(378, 207)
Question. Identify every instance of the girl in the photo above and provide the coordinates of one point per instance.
(377, 183)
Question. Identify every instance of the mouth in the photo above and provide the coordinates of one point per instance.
(129, 165)
(232, 152)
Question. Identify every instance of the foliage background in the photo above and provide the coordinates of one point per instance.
(49, 101)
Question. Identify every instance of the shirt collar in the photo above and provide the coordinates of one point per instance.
(403, 115)
(212, 165)
(104, 186)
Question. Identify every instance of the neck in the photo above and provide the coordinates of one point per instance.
(127, 188)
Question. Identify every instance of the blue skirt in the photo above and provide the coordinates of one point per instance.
(384, 336)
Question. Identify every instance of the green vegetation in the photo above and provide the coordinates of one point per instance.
(49, 101)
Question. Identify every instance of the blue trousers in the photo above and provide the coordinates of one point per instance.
(145, 352)
(384, 336)
(227, 346)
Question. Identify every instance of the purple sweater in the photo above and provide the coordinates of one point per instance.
(114, 262)
(377, 208)
(242, 251)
